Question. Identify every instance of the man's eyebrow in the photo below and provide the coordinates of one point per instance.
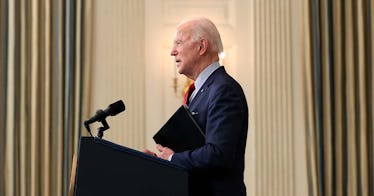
(177, 41)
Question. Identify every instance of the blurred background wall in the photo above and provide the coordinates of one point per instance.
(306, 68)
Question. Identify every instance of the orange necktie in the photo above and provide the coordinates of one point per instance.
(188, 93)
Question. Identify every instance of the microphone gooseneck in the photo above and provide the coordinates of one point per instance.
(100, 116)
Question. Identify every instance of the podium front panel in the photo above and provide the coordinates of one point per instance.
(105, 168)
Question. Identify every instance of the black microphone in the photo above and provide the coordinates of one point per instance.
(112, 110)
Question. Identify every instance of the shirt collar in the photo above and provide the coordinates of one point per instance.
(203, 76)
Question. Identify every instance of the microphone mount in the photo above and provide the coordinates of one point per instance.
(100, 130)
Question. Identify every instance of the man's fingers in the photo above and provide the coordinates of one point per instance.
(159, 147)
(146, 151)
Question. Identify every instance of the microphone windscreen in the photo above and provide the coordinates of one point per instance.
(116, 108)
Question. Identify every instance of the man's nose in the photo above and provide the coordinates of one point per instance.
(173, 52)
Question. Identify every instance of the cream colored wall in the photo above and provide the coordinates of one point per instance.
(131, 61)
(118, 68)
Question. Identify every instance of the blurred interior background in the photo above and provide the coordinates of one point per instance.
(306, 68)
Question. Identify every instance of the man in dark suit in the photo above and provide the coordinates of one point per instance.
(219, 107)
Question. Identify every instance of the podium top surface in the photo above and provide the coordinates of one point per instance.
(130, 151)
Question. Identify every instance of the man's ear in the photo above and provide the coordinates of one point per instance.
(203, 46)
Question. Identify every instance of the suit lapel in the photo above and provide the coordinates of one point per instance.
(203, 91)
(199, 96)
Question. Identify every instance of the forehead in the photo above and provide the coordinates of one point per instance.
(183, 32)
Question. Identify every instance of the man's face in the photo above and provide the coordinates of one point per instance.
(185, 51)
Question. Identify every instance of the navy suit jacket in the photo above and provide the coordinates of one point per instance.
(221, 110)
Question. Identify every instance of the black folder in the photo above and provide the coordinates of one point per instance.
(180, 132)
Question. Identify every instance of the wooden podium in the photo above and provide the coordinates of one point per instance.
(105, 168)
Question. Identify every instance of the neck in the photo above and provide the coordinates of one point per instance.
(203, 64)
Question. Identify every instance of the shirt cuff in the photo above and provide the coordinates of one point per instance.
(171, 156)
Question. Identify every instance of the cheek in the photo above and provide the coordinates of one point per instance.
(186, 59)
(188, 55)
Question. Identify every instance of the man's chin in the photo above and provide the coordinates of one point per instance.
(179, 70)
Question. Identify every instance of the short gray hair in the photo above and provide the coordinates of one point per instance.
(207, 29)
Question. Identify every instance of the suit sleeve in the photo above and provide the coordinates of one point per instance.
(224, 129)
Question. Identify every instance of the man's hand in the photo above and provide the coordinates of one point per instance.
(146, 151)
(165, 152)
